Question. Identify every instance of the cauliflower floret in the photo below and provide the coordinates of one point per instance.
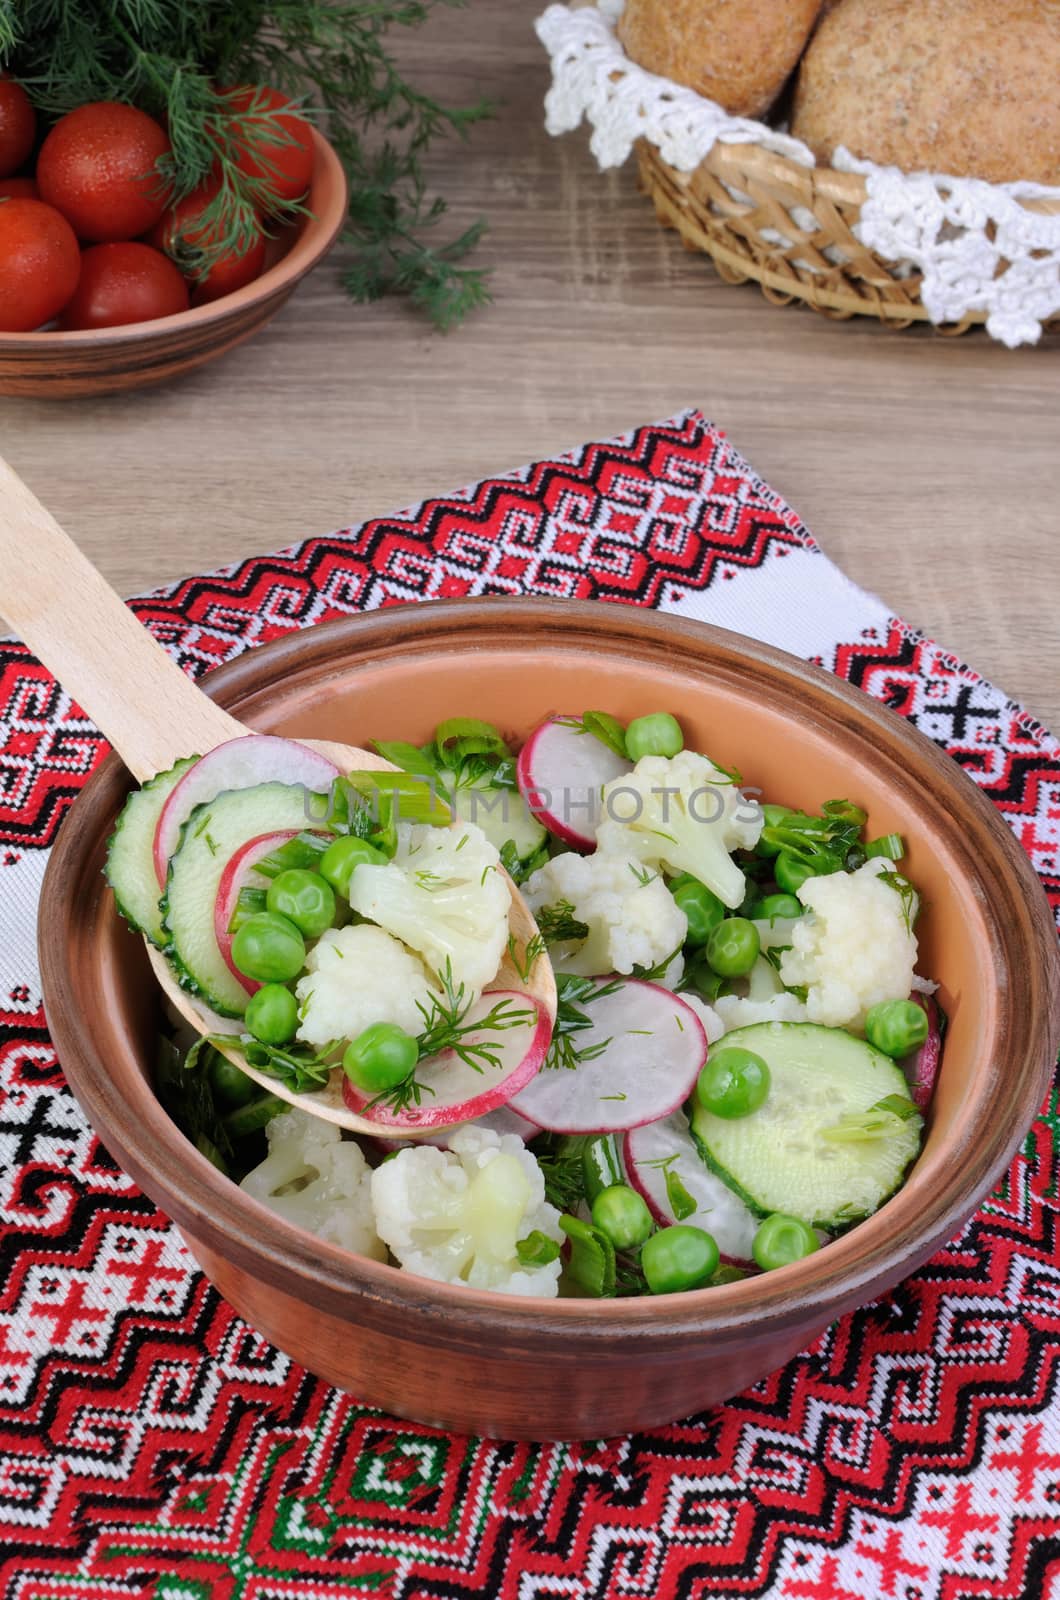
(318, 1180)
(735, 1012)
(457, 1215)
(713, 1026)
(854, 950)
(731, 1011)
(633, 919)
(357, 976)
(445, 895)
(684, 814)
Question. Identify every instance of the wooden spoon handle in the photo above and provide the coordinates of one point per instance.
(79, 628)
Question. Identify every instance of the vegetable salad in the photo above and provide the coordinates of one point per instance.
(742, 1050)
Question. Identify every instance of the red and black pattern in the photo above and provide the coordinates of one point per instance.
(152, 1444)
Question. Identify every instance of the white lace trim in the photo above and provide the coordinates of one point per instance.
(977, 247)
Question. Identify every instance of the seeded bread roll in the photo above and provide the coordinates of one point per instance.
(737, 52)
(967, 87)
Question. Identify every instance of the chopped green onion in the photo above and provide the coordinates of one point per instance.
(537, 1249)
(891, 845)
(302, 852)
(412, 797)
(680, 1201)
(591, 1264)
(249, 903)
(254, 1115)
(461, 737)
(845, 811)
(881, 1120)
(899, 1105)
(408, 757)
(601, 1167)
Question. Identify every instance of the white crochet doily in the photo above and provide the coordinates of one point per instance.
(978, 248)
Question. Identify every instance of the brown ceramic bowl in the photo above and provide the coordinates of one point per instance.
(61, 366)
(488, 1364)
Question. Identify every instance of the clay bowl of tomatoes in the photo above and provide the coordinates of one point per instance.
(99, 290)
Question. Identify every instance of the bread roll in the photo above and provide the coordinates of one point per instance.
(737, 52)
(968, 87)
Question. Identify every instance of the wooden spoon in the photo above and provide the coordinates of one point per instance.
(153, 715)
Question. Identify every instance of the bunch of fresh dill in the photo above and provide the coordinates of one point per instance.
(175, 58)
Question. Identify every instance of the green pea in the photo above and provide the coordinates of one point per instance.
(269, 948)
(781, 1239)
(897, 1027)
(228, 1082)
(656, 735)
(306, 898)
(772, 906)
(733, 947)
(272, 1014)
(702, 908)
(679, 1258)
(621, 1214)
(733, 1083)
(380, 1058)
(342, 858)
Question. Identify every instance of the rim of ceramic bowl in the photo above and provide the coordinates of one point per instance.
(311, 244)
(853, 1266)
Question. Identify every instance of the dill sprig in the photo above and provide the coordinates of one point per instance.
(557, 923)
(573, 993)
(176, 60)
(524, 964)
(298, 1066)
(445, 1027)
(560, 1158)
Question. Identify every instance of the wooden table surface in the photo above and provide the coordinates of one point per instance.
(927, 467)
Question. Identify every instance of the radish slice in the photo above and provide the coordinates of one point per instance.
(561, 773)
(461, 1092)
(239, 874)
(718, 1211)
(238, 764)
(653, 1050)
(923, 1068)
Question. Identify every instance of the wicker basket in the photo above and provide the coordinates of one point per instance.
(788, 228)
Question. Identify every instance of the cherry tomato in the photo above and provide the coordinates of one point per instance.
(18, 189)
(97, 167)
(284, 168)
(179, 237)
(18, 126)
(40, 264)
(122, 283)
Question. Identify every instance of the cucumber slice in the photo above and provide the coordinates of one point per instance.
(780, 1158)
(210, 837)
(130, 867)
(502, 814)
